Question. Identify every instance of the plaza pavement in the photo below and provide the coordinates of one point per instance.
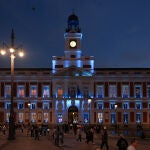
(22, 142)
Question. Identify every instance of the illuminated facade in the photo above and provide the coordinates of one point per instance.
(73, 91)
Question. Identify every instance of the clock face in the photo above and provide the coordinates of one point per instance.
(73, 44)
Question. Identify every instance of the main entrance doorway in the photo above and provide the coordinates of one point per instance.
(73, 115)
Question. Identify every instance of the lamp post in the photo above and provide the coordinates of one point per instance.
(11, 135)
(29, 104)
(89, 102)
(116, 106)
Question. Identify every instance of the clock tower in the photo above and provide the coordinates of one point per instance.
(73, 37)
(73, 57)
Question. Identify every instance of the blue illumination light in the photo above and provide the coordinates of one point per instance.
(68, 103)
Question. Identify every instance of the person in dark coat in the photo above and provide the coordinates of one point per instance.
(122, 143)
(104, 139)
(36, 133)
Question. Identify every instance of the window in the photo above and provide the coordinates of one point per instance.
(148, 91)
(7, 105)
(86, 118)
(45, 117)
(113, 118)
(112, 105)
(73, 56)
(33, 91)
(7, 91)
(125, 91)
(21, 91)
(149, 105)
(33, 117)
(138, 91)
(60, 92)
(46, 91)
(46, 105)
(112, 91)
(86, 92)
(20, 119)
(33, 106)
(138, 105)
(60, 118)
(100, 91)
(58, 66)
(86, 66)
(125, 118)
(100, 105)
(138, 118)
(100, 117)
(20, 105)
(7, 117)
(72, 92)
(125, 105)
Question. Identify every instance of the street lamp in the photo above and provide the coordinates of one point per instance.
(29, 104)
(11, 135)
(89, 102)
(116, 106)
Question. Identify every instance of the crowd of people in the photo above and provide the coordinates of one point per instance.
(56, 135)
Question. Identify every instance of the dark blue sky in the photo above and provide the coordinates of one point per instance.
(115, 32)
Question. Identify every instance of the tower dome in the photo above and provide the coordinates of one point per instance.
(73, 17)
(73, 24)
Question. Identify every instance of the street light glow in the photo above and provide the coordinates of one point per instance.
(21, 53)
(29, 104)
(12, 50)
(3, 52)
(89, 101)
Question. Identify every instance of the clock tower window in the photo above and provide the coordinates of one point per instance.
(73, 56)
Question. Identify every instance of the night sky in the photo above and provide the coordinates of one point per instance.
(115, 32)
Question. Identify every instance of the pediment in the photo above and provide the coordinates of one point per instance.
(73, 71)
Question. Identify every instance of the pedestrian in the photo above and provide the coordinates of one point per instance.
(133, 145)
(36, 133)
(92, 135)
(61, 138)
(79, 134)
(56, 137)
(48, 133)
(104, 139)
(122, 143)
(88, 136)
(4, 129)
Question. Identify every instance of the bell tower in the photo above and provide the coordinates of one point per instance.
(73, 54)
(73, 37)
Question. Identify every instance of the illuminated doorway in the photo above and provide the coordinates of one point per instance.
(73, 115)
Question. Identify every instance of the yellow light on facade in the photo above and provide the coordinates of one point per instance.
(3, 52)
(89, 100)
(12, 50)
(29, 104)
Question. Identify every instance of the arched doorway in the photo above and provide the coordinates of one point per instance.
(73, 115)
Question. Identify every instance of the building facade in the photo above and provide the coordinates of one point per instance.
(75, 92)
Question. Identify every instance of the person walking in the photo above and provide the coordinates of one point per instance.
(104, 139)
(133, 145)
(36, 133)
(122, 143)
(92, 135)
(61, 138)
(79, 134)
(88, 136)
